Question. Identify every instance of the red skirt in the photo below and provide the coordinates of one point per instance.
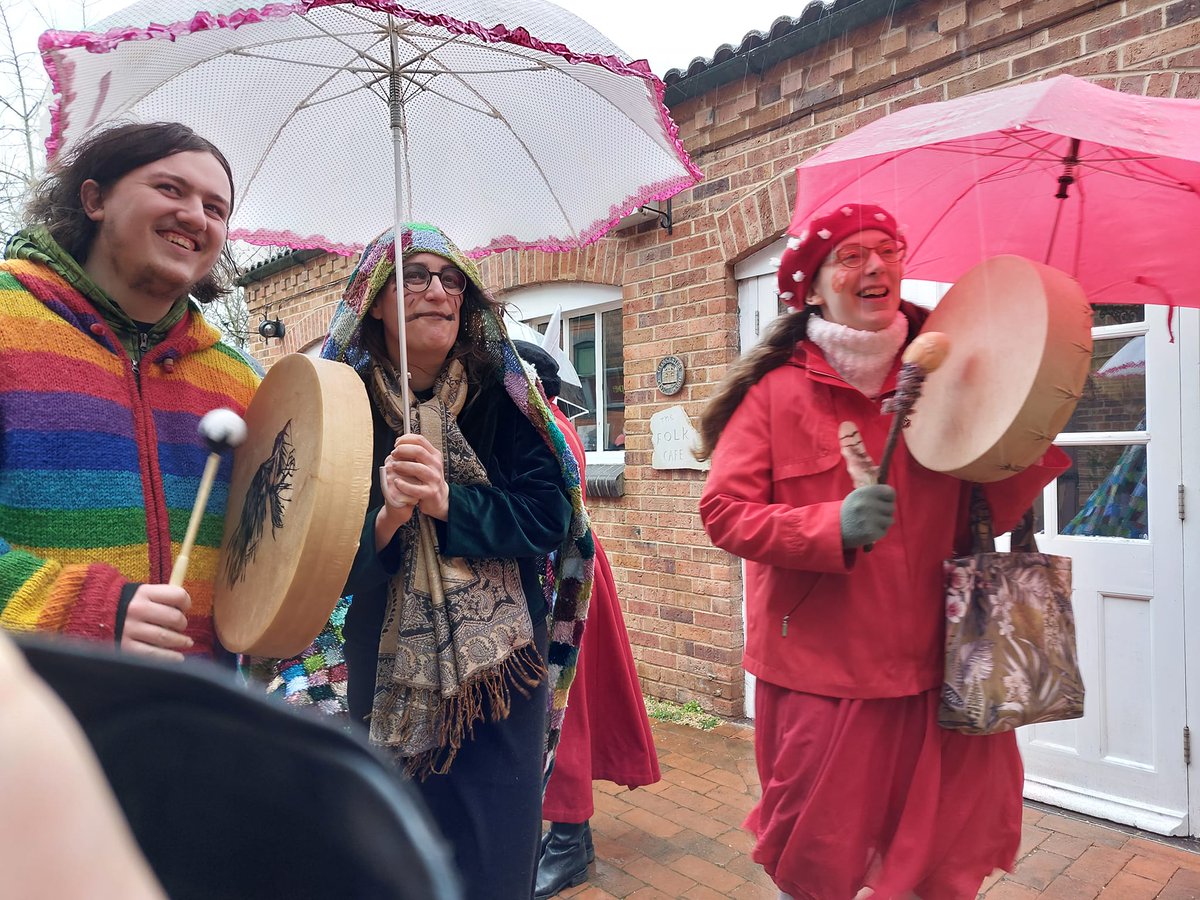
(872, 793)
(606, 734)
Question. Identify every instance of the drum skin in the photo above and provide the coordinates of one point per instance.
(1020, 351)
(297, 500)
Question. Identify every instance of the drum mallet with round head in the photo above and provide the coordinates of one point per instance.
(221, 429)
(922, 356)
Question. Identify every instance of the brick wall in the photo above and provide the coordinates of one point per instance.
(304, 297)
(682, 598)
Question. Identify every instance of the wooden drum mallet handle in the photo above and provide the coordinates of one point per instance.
(221, 429)
(922, 356)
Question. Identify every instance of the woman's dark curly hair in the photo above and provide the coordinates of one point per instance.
(106, 156)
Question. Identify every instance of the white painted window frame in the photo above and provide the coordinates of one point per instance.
(535, 304)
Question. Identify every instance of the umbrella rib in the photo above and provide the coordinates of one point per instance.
(238, 52)
(1049, 158)
(426, 88)
(303, 104)
(1159, 179)
(306, 64)
(517, 137)
(366, 86)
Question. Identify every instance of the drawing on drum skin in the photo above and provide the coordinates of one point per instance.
(269, 491)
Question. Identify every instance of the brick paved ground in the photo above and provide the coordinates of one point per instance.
(682, 838)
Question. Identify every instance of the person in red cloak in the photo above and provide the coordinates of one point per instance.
(863, 794)
(606, 735)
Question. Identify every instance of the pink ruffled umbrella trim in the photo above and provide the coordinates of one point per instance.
(93, 42)
(283, 238)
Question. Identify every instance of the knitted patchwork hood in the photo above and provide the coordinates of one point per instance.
(569, 591)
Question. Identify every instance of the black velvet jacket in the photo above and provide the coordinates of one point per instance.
(523, 514)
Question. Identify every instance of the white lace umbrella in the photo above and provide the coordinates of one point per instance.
(508, 124)
(516, 124)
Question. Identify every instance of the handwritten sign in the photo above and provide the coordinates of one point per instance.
(673, 439)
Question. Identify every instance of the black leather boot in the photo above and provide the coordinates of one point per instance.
(587, 842)
(564, 861)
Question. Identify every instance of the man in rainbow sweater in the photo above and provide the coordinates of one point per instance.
(106, 367)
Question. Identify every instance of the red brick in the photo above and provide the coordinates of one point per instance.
(704, 872)
(1184, 885)
(659, 876)
(1007, 890)
(1153, 868)
(1038, 869)
(1064, 845)
(1066, 888)
(1125, 886)
(952, 18)
(1098, 865)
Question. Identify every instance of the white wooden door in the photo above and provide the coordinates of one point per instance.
(758, 306)
(1116, 514)
(1188, 331)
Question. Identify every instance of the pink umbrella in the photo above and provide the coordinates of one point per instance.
(1100, 184)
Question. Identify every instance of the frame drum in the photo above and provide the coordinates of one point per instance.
(297, 500)
(1020, 351)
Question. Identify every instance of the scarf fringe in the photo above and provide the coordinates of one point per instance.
(457, 714)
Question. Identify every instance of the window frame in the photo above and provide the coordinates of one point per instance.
(534, 305)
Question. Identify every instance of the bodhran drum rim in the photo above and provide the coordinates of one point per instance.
(283, 620)
(1020, 351)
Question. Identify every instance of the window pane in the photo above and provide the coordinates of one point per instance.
(1114, 395)
(614, 379)
(1117, 314)
(1104, 493)
(581, 346)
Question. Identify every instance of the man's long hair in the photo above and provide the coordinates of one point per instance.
(106, 156)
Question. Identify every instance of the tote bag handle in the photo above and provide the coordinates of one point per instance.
(983, 538)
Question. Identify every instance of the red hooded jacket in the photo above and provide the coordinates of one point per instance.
(860, 625)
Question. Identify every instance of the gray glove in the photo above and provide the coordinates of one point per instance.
(867, 514)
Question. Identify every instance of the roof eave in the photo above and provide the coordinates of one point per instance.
(844, 17)
(276, 264)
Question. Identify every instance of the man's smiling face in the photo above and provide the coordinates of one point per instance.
(160, 228)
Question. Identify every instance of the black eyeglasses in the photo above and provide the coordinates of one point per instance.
(855, 256)
(417, 278)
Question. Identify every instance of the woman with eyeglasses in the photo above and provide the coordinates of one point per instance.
(447, 641)
(863, 795)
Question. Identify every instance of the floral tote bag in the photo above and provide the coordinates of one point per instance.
(1010, 634)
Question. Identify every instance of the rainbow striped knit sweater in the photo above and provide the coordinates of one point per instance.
(99, 464)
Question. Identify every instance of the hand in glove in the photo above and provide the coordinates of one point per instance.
(867, 514)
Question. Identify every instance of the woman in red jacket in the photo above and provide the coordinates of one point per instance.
(862, 793)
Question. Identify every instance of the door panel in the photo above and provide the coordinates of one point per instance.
(1115, 514)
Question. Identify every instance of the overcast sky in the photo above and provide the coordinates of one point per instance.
(667, 33)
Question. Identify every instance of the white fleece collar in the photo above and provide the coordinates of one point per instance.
(863, 358)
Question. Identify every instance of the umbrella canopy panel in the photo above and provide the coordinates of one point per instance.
(538, 136)
(981, 176)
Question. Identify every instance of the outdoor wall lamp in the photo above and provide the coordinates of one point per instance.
(271, 328)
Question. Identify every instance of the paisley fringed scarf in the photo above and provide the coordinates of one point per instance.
(456, 631)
